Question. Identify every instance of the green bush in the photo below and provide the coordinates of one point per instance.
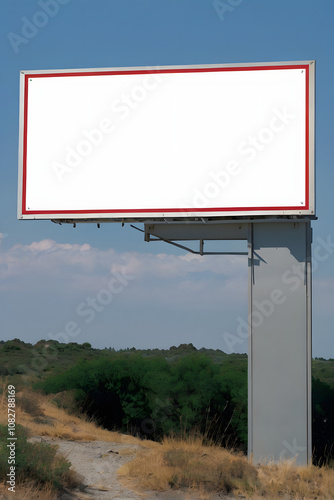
(11, 346)
(152, 396)
(34, 462)
(323, 422)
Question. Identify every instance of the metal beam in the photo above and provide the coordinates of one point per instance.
(199, 231)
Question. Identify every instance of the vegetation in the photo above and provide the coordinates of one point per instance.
(151, 396)
(153, 393)
(323, 422)
(35, 463)
(41, 472)
(185, 462)
(323, 370)
(192, 463)
(25, 362)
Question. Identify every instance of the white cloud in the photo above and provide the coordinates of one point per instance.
(47, 281)
(48, 264)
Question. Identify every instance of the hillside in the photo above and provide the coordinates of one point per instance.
(109, 464)
(33, 362)
(151, 393)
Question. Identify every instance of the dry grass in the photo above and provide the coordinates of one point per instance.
(210, 469)
(175, 463)
(41, 417)
(189, 464)
(296, 481)
(28, 492)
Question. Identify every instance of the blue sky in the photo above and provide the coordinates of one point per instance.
(52, 277)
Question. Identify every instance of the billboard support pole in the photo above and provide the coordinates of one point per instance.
(279, 357)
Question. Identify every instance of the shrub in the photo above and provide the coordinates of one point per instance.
(29, 403)
(11, 346)
(35, 462)
(87, 345)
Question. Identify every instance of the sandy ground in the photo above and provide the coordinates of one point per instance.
(98, 462)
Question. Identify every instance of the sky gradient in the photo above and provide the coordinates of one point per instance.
(107, 286)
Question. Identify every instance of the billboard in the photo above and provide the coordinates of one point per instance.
(172, 141)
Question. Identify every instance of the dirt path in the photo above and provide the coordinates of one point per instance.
(98, 462)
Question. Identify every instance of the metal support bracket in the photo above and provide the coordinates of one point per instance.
(183, 247)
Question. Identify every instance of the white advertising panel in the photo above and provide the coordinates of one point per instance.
(190, 141)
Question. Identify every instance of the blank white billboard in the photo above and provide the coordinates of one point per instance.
(190, 141)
